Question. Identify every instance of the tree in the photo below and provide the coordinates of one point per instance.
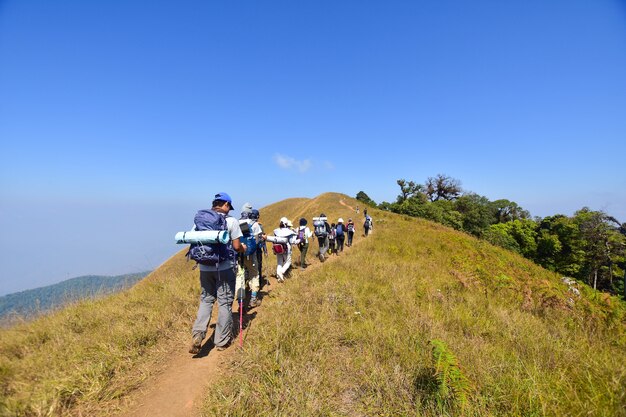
(476, 213)
(506, 211)
(408, 190)
(443, 187)
(364, 198)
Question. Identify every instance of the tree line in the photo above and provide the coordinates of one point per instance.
(589, 246)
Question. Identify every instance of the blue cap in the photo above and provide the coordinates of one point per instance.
(254, 214)
(224, 197)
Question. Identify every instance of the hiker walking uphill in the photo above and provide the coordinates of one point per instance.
(282, 240)
(217, 274)
(368, 225)
(322, 230)
(332, 240)
(340, 232)
(261, 247)
(248, 272)
(351, 230)
(303, 236)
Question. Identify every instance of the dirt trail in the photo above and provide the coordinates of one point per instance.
(178, 391)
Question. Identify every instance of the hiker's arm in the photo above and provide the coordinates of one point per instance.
(238, 246)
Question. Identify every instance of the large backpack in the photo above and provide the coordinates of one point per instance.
(248, 237)
(320, 227)
(339, 229)
(350, 227)
(213, 253)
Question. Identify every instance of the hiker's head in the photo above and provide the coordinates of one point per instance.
(349, 220)
(284, 221)
(322, 215)
(303, 221)
(340, 220)
(332, 225)
(223, 201)
(254, 214)
(246, 209)
(289, 224)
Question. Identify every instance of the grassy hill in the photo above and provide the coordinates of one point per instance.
(416, 319)
(27, 303)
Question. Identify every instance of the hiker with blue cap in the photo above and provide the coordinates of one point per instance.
(217, 278)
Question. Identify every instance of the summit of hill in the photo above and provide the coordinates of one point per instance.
(415, 319)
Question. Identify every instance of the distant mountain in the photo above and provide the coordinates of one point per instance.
(32, 302)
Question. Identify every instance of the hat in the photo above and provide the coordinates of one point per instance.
(254, 214)
(340, 220)
(224, 197)
(289, 224)
(246, 208)
(284, 220)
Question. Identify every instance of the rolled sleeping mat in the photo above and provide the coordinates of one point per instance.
(323, 219)
(202, 236)
(277, 239)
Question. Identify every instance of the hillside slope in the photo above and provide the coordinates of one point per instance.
(39, 300)
(346, 337)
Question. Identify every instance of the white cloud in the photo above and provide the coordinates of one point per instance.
(287, 162)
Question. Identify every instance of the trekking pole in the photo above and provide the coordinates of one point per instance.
(240, 322)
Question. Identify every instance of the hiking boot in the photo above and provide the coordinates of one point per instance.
(254, 302)
(224, 347)
(196, 344)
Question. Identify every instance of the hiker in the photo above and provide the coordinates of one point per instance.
(248, 272)
(364, 212)
(357, 209)
(340, 232)
(368, 225)
(303, 233)
(261, 248)
(283, 250)
(332, 238)
(322, 230)
(351, 230)
(217, 280)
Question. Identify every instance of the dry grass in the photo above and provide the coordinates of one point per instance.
(350, 337)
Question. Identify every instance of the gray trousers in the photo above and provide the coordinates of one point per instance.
(324, 243)
(218, 286)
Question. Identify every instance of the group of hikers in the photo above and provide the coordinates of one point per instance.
(238, 263)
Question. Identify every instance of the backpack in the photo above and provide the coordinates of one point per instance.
(350, 227)
(248, 238)
(302, 236)
(320, 227)
(279, 248)
(213, 253)
(333, 233)
(339, 229)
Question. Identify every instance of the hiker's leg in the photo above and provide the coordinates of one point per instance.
(240, 283)
(305, 248)
(207, 298)
(253, 274)
(279, 266)
(225, 297)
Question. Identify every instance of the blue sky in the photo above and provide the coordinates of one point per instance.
(119, 119)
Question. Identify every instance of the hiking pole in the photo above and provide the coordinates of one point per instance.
(240, 322)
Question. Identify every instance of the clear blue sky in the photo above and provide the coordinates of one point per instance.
(119, 119)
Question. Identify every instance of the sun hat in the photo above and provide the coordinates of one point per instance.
(289, 224)
(284, 220)
(340, 220)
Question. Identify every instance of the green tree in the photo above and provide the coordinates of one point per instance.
(476, 213)
(364, 198)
